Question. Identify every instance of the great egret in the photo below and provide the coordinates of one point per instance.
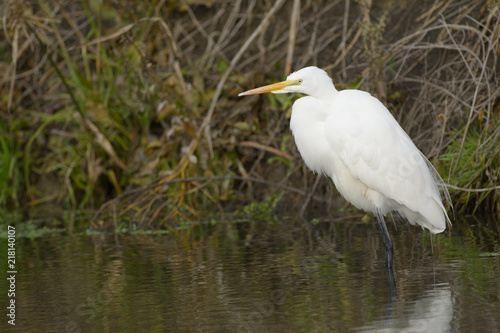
(351, 137)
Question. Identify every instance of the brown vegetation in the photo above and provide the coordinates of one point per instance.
(133, 107)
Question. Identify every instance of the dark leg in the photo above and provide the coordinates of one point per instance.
(391, 297)
(386, 239)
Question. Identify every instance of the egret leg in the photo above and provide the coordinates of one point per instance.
(386, 240)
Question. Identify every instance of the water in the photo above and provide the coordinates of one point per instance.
(260, 277)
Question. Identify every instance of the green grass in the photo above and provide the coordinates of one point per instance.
(472, 161)
(10, 176)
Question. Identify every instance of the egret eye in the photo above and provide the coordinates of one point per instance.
(300, 81)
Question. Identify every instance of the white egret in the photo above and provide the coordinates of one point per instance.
(351, 137)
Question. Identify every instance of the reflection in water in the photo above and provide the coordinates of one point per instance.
(282, 278)
(432, 312)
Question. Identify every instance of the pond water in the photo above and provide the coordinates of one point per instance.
(258, 276)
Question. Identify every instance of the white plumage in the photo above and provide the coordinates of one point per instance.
(351, 137)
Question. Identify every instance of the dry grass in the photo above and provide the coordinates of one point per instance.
(137, 104)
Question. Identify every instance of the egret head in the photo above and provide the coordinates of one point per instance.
(311, 81)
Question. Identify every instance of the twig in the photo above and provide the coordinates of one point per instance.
(208, 118)
(294, 22)
(272, 150)
(344, 53)
(463, 189)
(309, 196)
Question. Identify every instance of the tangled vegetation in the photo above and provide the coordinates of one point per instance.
(131, 108)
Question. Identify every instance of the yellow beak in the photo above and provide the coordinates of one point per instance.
(271, 87)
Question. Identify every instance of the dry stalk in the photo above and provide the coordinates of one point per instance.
(294, 22)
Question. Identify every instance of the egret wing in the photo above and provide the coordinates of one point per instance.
(377, 151)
